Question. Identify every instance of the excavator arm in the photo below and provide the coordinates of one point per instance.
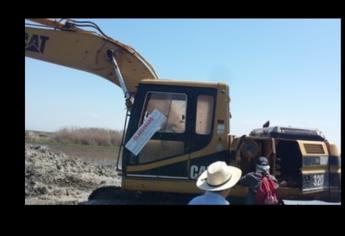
(66, 43)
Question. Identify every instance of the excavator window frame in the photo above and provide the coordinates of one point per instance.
(193, 141)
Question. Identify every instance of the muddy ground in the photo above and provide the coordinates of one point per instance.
(53, 177)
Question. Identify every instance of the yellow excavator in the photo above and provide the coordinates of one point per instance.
(175, 129)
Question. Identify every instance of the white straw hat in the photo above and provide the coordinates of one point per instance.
(218, 176)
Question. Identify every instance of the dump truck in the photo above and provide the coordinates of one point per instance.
(175, 129)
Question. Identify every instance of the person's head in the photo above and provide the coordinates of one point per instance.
(219, 177)
(262, 165)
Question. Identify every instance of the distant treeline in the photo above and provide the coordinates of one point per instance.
(88, 136)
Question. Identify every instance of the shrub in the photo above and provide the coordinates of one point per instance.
(88, 136)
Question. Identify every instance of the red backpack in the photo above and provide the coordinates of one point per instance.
(266, 193)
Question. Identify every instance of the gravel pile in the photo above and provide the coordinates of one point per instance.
(55, 178)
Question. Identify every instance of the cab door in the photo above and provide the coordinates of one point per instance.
(202, 132)
(166, 155)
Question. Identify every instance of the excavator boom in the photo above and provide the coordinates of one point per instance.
(70, 46)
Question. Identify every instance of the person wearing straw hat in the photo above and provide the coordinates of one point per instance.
(216, 181)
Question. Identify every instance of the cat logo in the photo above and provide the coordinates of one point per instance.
(35, 43)
(195, 171)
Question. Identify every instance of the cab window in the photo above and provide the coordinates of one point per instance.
(172, 105)
(204, 112)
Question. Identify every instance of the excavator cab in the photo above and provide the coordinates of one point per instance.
(193, 135)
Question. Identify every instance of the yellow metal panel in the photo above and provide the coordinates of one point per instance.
(209, 150)
(333, 149)
(305, 153)
(160, 185)
(314, 171)
(184, 83)
(173, 186)
(49, 22)
(186, 186)
(287, 191)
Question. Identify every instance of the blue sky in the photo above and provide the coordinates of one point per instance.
(283, 70)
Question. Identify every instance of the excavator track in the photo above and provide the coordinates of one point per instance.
(112, 195)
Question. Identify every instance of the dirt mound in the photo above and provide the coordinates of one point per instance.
(55, 178)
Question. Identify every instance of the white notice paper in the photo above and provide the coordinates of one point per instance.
(145, 132)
